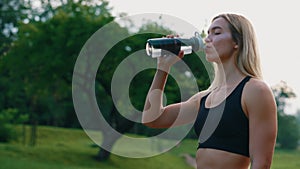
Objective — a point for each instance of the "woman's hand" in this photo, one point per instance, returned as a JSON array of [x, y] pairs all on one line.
[[164, 63]]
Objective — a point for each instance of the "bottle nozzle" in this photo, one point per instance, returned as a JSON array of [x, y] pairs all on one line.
[[199, 44]]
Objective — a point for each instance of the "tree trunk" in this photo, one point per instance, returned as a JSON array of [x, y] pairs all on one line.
[[33, 136], [108, 141], [103, 155], [23, 134]]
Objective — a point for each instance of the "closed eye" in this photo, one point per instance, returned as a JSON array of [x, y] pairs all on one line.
[[215, 30]]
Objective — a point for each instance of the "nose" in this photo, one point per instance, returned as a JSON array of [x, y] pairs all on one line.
[[207, 39]]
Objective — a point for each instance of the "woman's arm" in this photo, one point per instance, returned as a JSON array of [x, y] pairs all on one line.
[[155, 115], [261, 109]]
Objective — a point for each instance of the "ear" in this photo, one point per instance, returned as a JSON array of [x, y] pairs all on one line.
[[235, 45]]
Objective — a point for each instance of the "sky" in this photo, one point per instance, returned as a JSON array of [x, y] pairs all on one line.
[[275, 23]]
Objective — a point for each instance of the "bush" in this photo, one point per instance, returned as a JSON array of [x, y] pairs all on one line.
[[8, 118], [288, 132], [7, 133]]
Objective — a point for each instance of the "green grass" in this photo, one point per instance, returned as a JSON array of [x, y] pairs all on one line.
[[286, 159], [72, 149]]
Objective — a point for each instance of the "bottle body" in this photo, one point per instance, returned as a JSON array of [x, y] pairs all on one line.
[[166, 46], [157, 47]]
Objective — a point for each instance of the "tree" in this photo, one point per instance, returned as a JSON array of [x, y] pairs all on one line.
[[38, 68], [288, 128]]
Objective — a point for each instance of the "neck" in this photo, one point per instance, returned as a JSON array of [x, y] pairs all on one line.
[[229, 73]]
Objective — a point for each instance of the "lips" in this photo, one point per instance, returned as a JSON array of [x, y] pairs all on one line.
[[207, 47]]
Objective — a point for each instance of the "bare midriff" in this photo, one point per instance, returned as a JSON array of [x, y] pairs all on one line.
[[207, 158]]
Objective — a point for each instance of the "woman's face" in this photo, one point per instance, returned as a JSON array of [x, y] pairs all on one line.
[[219, 43]]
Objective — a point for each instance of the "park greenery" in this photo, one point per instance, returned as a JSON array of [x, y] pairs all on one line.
[[38, 50]]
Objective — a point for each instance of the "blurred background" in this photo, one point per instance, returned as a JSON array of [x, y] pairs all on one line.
[[40, 41]]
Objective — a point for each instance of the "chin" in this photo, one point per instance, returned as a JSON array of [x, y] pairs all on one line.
[[212, 58]]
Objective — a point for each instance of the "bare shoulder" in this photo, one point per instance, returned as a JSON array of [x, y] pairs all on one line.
[[257, 88], [258, 97]]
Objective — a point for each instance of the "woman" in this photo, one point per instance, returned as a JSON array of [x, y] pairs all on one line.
[[246, 132]]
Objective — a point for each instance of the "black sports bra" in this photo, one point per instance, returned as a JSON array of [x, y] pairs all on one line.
[[228, 131]]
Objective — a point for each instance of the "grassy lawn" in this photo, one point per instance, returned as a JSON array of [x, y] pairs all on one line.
[[286, 159], [72, 149]]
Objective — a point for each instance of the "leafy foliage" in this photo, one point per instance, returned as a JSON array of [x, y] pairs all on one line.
[[288, 127], [8, 118], [11, 13]]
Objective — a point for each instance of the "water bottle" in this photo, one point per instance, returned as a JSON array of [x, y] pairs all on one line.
[[157, 47]]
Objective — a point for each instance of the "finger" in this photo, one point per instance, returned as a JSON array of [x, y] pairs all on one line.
[[181, 54], [170, 36]]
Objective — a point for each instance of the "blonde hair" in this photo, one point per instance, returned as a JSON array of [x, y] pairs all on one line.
[[247, 59]]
